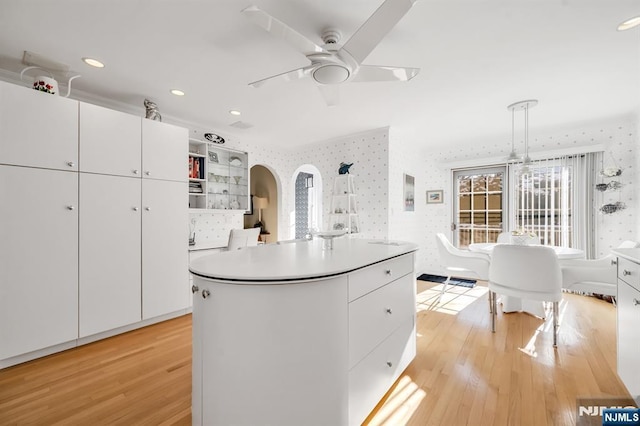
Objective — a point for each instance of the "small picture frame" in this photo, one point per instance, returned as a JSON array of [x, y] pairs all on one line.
[[435, 196], [213, 157]]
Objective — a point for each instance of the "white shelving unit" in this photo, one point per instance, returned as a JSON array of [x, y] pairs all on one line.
[[344, 206], [218, 177]]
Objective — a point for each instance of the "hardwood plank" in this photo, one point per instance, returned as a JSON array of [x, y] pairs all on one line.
[[462, 375]]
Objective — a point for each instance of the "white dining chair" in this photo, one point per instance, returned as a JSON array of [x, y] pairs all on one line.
[[596, 276], [504, 238], [529, 272], [461, 263], [240, 238]]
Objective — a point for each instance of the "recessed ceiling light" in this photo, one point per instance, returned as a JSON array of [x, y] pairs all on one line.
[[177, 92], [93, 62], [234, 112], [629, 23]]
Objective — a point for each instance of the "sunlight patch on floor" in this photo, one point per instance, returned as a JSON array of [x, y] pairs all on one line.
[[453, 301], [402, 403]]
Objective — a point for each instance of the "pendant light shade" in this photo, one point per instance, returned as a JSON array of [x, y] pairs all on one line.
[[521, 106]]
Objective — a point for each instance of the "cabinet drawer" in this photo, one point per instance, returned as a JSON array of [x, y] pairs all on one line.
[[629, 272], [375, 276], [374, 375], [375, 316], [629, 337]]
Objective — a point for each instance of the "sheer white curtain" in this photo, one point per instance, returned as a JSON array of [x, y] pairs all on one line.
[[555, 200]]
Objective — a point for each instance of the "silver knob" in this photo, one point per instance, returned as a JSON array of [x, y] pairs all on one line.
[[135, 209], [636, 302], [205, 293], [135, 172], [625, 272], [614, 262], [148, 209], [388, 272], [147, 173], [389, 311], [389, 364], [71, 207], [194, 288], [71, 164]]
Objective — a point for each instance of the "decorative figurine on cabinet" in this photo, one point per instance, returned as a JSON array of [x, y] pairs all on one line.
[[344, 168], [152, 110]]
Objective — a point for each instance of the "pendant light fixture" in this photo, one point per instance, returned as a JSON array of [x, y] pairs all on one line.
[[513, 156], [523, 106]]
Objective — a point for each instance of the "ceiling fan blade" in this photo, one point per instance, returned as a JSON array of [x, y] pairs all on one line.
[[367, 73], [281, 30], [330, 93], [285, 76], [367, 37]]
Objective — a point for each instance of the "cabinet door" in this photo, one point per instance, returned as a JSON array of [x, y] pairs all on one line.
[[110, 141], [38, 259], [110, 232], [165, 243], [164, 151], [629, 337], [37, 129]]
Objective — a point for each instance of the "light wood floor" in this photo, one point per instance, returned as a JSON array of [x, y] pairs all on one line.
[[463, 374]]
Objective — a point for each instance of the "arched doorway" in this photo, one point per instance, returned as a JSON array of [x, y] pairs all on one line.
[[264, 186], [307, 190]]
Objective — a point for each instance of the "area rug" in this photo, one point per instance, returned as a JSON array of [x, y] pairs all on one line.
[[453, 281]]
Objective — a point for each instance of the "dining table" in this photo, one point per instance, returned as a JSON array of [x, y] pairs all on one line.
[[516, 304]]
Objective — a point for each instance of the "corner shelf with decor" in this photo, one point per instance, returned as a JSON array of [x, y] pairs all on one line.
[[218, 177], [344, 206]]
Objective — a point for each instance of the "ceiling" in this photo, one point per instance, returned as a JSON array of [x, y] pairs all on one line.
[[476, 57]]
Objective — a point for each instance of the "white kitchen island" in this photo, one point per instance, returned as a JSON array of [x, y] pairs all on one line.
[[294, 334]]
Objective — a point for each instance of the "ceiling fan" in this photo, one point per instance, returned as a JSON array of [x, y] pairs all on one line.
[[333, 64]]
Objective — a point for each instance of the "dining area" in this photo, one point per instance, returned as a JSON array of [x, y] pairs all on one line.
[[525, 276]]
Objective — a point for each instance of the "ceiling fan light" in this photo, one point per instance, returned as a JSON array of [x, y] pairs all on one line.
[[331, 74], [629, 23]]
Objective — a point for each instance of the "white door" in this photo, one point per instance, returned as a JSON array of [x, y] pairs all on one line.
[[38, 259], [110, 141], [165, 244], [110, 252], [164, 151], [37, 129]]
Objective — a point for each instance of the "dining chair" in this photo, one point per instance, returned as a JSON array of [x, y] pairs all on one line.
[[504, 238], [240, 238], [461, 263], [597, 276], [525, 271]]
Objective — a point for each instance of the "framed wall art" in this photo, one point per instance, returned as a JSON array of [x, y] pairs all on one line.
[[435, 196]]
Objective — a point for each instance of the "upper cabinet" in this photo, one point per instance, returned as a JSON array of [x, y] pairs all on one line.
[[161, 144], [218, 177], [46, 136], [110, 141]]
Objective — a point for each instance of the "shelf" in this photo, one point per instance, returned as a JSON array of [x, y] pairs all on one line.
[[193, 154]]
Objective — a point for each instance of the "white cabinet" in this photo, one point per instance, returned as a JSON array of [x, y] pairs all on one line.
[[629, 325], [218, 177], [38, 259], [165, 240], [163, 151], [110, 252], [37, 129], [110, 141]]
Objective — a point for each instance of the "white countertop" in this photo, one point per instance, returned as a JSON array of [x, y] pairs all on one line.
[[632, 254], [297, 261]]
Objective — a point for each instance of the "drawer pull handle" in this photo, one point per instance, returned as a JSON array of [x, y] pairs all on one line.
[[625, 272], [614, 262], [388, 271], [389, 311], [389, 364], [135, 172], [194, 288], [71, 164], [636, 302], [205, 293]]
